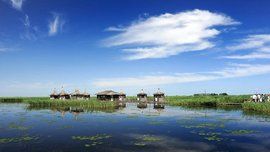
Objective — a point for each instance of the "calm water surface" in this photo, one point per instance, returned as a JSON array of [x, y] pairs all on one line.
[[132, 129]]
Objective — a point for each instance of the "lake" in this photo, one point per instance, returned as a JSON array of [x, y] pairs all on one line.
[[132, 129]]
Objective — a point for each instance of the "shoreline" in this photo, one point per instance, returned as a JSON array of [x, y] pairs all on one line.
[[228, 101]]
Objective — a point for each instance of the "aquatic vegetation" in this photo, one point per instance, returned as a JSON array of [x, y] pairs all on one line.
[[17, 127], [93, 103], [50, 122], [210, 136], [149, 138], [153, 122], [207, 101], [205, 125], [11, 100], [257, 107], [143, 140], [92, 138], [132, 116], [213, 138], [18, 139], [139, 144], [47, 103], [241, 132]]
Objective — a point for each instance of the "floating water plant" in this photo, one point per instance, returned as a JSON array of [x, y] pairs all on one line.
[[205, 125], [143, 140], [17, 139], [17, 127], [92, 138], [210, 136], [132, 116], [156, 122], [149, 138], [241, 132], [213, 138], [140, 144]]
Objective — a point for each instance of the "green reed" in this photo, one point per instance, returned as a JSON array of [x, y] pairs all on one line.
[[210, 101]]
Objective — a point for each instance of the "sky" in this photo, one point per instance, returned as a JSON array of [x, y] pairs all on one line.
[[181, 47]]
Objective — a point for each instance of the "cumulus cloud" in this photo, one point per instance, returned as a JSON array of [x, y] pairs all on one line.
[[55, 24], [257, 45], [235, 70], [169, 34], [17, 4]]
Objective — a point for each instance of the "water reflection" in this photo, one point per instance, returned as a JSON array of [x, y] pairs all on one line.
[[131, 129]]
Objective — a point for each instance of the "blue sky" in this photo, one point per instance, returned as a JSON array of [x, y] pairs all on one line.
[[182, 47]]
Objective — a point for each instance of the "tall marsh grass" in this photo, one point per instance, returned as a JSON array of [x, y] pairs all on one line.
[[257, 107], [211, 101], [48, 103]]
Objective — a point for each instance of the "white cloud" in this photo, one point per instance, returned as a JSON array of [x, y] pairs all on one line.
[[169, 34], [115, 29], [255, 55], [31, 32], [56, 24], [26, 21], [17, 4], [236, 70], [36, 85], [259, 45], [4, 49]]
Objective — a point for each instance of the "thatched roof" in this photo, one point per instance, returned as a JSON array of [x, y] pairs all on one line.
[[122, 93], [86, 94], [108, 92], [63, 93], [54, 93], [76, 92], [142, 93], [159, 92]]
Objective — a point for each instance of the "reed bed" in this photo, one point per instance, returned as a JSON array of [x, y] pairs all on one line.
[[186, 101], [257, 107], [45, 102], [92, 103], [209, 101], [11, 100]]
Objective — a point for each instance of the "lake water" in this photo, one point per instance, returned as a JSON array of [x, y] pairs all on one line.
[[132, 129]]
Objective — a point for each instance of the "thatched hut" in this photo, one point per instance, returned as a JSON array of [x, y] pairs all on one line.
[[108, 95], [77, 94], [122, 96], [54, 95], [159, 99], [142, 96], [63, 95], [86, 95]]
